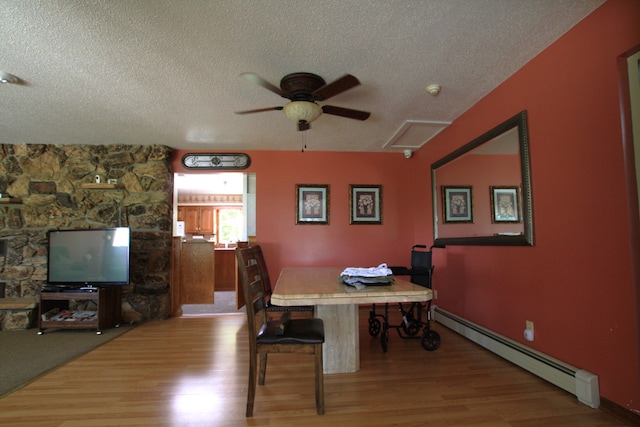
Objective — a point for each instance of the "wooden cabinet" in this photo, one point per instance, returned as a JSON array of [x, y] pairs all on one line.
[[197, 219], [206, 219], [197, 272], [56, 310], [225, 270]]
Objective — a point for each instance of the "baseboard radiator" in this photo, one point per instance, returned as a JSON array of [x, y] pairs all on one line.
[[582, 384]]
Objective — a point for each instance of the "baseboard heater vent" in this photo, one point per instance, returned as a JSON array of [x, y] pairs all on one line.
[[582, 384]]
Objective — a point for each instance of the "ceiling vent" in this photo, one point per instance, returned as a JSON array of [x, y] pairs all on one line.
[[413, 134]]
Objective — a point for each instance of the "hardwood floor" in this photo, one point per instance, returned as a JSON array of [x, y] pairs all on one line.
[[192, 371]]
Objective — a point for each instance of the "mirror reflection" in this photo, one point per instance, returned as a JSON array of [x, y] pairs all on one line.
[[482, 191]]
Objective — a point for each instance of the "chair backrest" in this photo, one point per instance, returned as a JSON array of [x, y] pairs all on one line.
[[253, 289], [420, 260], [421, 267], [264, 271]]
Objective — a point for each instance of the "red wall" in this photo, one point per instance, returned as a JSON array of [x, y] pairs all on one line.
[[339, 243], [575, 284]]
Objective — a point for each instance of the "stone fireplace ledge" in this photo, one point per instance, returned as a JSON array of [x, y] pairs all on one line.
[[17, 313]]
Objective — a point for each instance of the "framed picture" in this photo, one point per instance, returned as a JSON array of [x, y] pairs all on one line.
[[312, 204], [457, 204], [366, 204], [505, 204]]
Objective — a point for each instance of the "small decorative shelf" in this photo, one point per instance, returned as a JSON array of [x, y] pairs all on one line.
[[10, 200], [91, 186]]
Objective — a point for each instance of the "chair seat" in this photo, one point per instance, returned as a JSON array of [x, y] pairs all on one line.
[[297, 331]]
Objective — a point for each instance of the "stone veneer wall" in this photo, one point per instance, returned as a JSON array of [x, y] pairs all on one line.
[[47, 179]]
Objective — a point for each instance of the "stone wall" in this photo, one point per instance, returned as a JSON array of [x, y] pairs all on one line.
[[47, 180]]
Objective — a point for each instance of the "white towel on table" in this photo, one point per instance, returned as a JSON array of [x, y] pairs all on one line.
[[381, 270]]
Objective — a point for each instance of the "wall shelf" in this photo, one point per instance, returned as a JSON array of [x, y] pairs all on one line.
[[10, 200], [91, 186]]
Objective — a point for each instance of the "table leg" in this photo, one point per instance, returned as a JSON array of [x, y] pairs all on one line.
[[341, 349]]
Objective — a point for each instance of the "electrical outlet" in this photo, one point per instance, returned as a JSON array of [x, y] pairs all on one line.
[[435, 294], [528, 332]]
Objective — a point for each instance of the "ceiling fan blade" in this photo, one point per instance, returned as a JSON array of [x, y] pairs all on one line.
[[259, 110], [256, 79], [345, 112], [338, 86]]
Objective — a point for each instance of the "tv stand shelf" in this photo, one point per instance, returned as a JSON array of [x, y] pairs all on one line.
[[109, 309]]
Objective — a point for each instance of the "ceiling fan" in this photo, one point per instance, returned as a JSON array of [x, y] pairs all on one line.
[[304, 89]]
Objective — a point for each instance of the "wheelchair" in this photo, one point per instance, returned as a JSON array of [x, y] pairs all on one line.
[[416, 317]]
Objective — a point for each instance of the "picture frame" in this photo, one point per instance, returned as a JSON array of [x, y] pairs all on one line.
[[312, 204], [457, 204], [505, 204], [366, 204]]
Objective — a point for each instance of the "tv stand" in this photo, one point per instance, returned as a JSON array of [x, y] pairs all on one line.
[[55, 313]]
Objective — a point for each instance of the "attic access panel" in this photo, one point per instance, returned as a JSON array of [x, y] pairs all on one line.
[[216, 161], [413, 134]]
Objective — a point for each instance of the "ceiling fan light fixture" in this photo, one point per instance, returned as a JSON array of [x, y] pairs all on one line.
[[302, 111]]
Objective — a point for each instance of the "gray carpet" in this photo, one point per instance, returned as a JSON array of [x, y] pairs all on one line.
[[223, 302], [25, 355]]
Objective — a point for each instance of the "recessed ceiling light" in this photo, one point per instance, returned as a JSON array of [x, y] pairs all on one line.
[[6, 78]]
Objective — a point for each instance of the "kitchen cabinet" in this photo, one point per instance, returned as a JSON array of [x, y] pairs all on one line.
[[197, 219]]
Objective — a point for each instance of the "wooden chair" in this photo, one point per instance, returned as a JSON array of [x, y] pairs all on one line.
[[306, 310], [284, 335]]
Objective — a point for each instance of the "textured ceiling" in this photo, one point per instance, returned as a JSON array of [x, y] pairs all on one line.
[[167, 72]]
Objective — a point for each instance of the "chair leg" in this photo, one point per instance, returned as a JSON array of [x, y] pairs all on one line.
[[251, 392], [263, 368], [319, 380]]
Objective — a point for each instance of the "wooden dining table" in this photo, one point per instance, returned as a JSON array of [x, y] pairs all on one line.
[[337, 305]]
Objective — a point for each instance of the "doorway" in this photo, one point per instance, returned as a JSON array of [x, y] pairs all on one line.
[[216, 210]]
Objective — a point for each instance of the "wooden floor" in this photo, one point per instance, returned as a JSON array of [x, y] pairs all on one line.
[[192, 371]]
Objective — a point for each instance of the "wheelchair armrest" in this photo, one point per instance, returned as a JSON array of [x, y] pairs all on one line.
[[404, 271], [400, 271]]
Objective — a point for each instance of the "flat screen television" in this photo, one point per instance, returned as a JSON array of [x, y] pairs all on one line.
[[89, 258]]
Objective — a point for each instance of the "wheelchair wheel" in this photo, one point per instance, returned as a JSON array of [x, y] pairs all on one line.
[[374, 326], [430, 340], [384, 338], [411, 327]]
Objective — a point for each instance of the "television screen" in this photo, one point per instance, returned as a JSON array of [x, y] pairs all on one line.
[[95, 257]]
